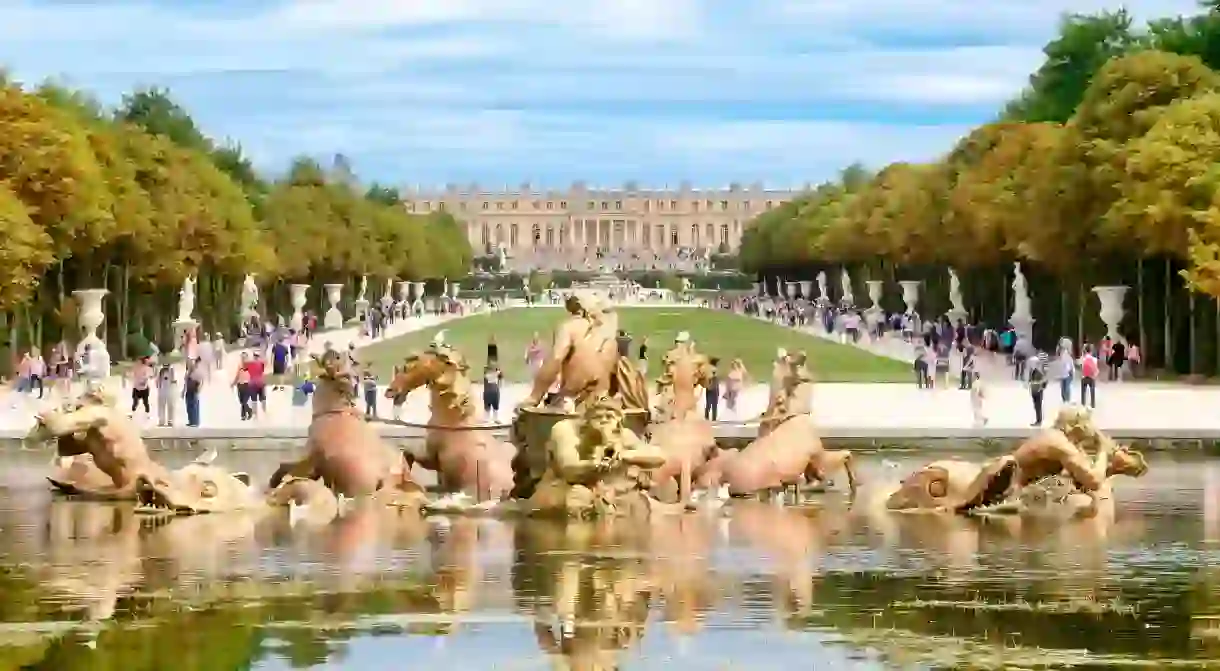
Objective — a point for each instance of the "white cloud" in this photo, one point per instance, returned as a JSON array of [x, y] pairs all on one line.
[[449, 90]]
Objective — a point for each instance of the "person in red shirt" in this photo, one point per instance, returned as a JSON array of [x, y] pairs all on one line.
[[1089, 369], [257, 370]]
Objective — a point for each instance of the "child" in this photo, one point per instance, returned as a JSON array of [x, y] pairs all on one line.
[[978, 397], [304, 391], [370, 394]]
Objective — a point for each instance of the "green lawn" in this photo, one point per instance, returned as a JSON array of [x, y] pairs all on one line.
[[716, 333]]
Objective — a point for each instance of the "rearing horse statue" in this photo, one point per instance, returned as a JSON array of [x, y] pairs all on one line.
[[686, 438], [343, 449], [457, 445]]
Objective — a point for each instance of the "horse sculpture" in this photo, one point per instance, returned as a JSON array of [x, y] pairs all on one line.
[[686, 438], [463, 456], [343, 449]]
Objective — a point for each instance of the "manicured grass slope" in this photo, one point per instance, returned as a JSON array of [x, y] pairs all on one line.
[[716, 333]]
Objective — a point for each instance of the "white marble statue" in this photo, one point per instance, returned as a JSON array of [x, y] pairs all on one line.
[[955, 292], [249, 297], [364, 288], [1020, 292], [823, 292], [186, 300], [845, 280]]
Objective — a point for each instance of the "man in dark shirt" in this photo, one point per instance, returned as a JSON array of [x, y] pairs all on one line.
[[712, 393], [624, 344]]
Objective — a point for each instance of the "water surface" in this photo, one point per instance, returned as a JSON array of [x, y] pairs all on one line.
[[821, 585]]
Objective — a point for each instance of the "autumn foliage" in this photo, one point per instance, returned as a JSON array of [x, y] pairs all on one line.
[[135, 199], [1105, 170]]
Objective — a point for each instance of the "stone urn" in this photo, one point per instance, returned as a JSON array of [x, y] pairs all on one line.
[[806, 289], [790, 289], [333, 318], [404, 291], [1111, 300], [297, 297], [910, 294], [873, 314], [90, 317], [419, 290]]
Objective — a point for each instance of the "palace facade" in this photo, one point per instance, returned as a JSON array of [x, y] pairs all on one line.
[[581, 219]]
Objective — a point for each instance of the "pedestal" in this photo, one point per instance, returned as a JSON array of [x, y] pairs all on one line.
[[1023, 325], [297, 297], [362, 309], [90, 317], [956, 316], [333, 318], [182, 327]]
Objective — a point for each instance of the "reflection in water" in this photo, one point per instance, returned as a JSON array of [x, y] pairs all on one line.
[[827, 585]]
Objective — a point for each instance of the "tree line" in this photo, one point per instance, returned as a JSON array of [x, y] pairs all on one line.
[[136, 198], [1104, 170]]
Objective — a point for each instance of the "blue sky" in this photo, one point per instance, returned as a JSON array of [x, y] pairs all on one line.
[[551, 91]]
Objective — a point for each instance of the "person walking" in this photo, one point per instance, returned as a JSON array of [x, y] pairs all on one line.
[[1089, 370], [370, 394], [711, 404], [167, 394], [643, 355], [241, 382], [196, 373], [1063, 369], [978, 399], [493, 380], [1037, 385], [141, 376], [734, 383]]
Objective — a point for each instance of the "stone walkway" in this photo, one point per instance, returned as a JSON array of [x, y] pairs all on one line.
[[1132, 405]]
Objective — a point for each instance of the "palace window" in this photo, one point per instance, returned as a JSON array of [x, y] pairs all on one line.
[[724, 206], [499, 206], [563, 204], [694, 235], [537, 234], [709, 206], [592, 205], [673, 237], [427, 206], [648, 206], [486, 235], [485, 205], [514, 205], [724, 234], [512, 235], [711, 234], [499, 234], [673, 204], [618, 205], [605, 206], [550, 204], [695, 205], [746, 206]]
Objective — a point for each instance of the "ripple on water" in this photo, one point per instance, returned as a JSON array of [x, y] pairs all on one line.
[[85, 584]]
